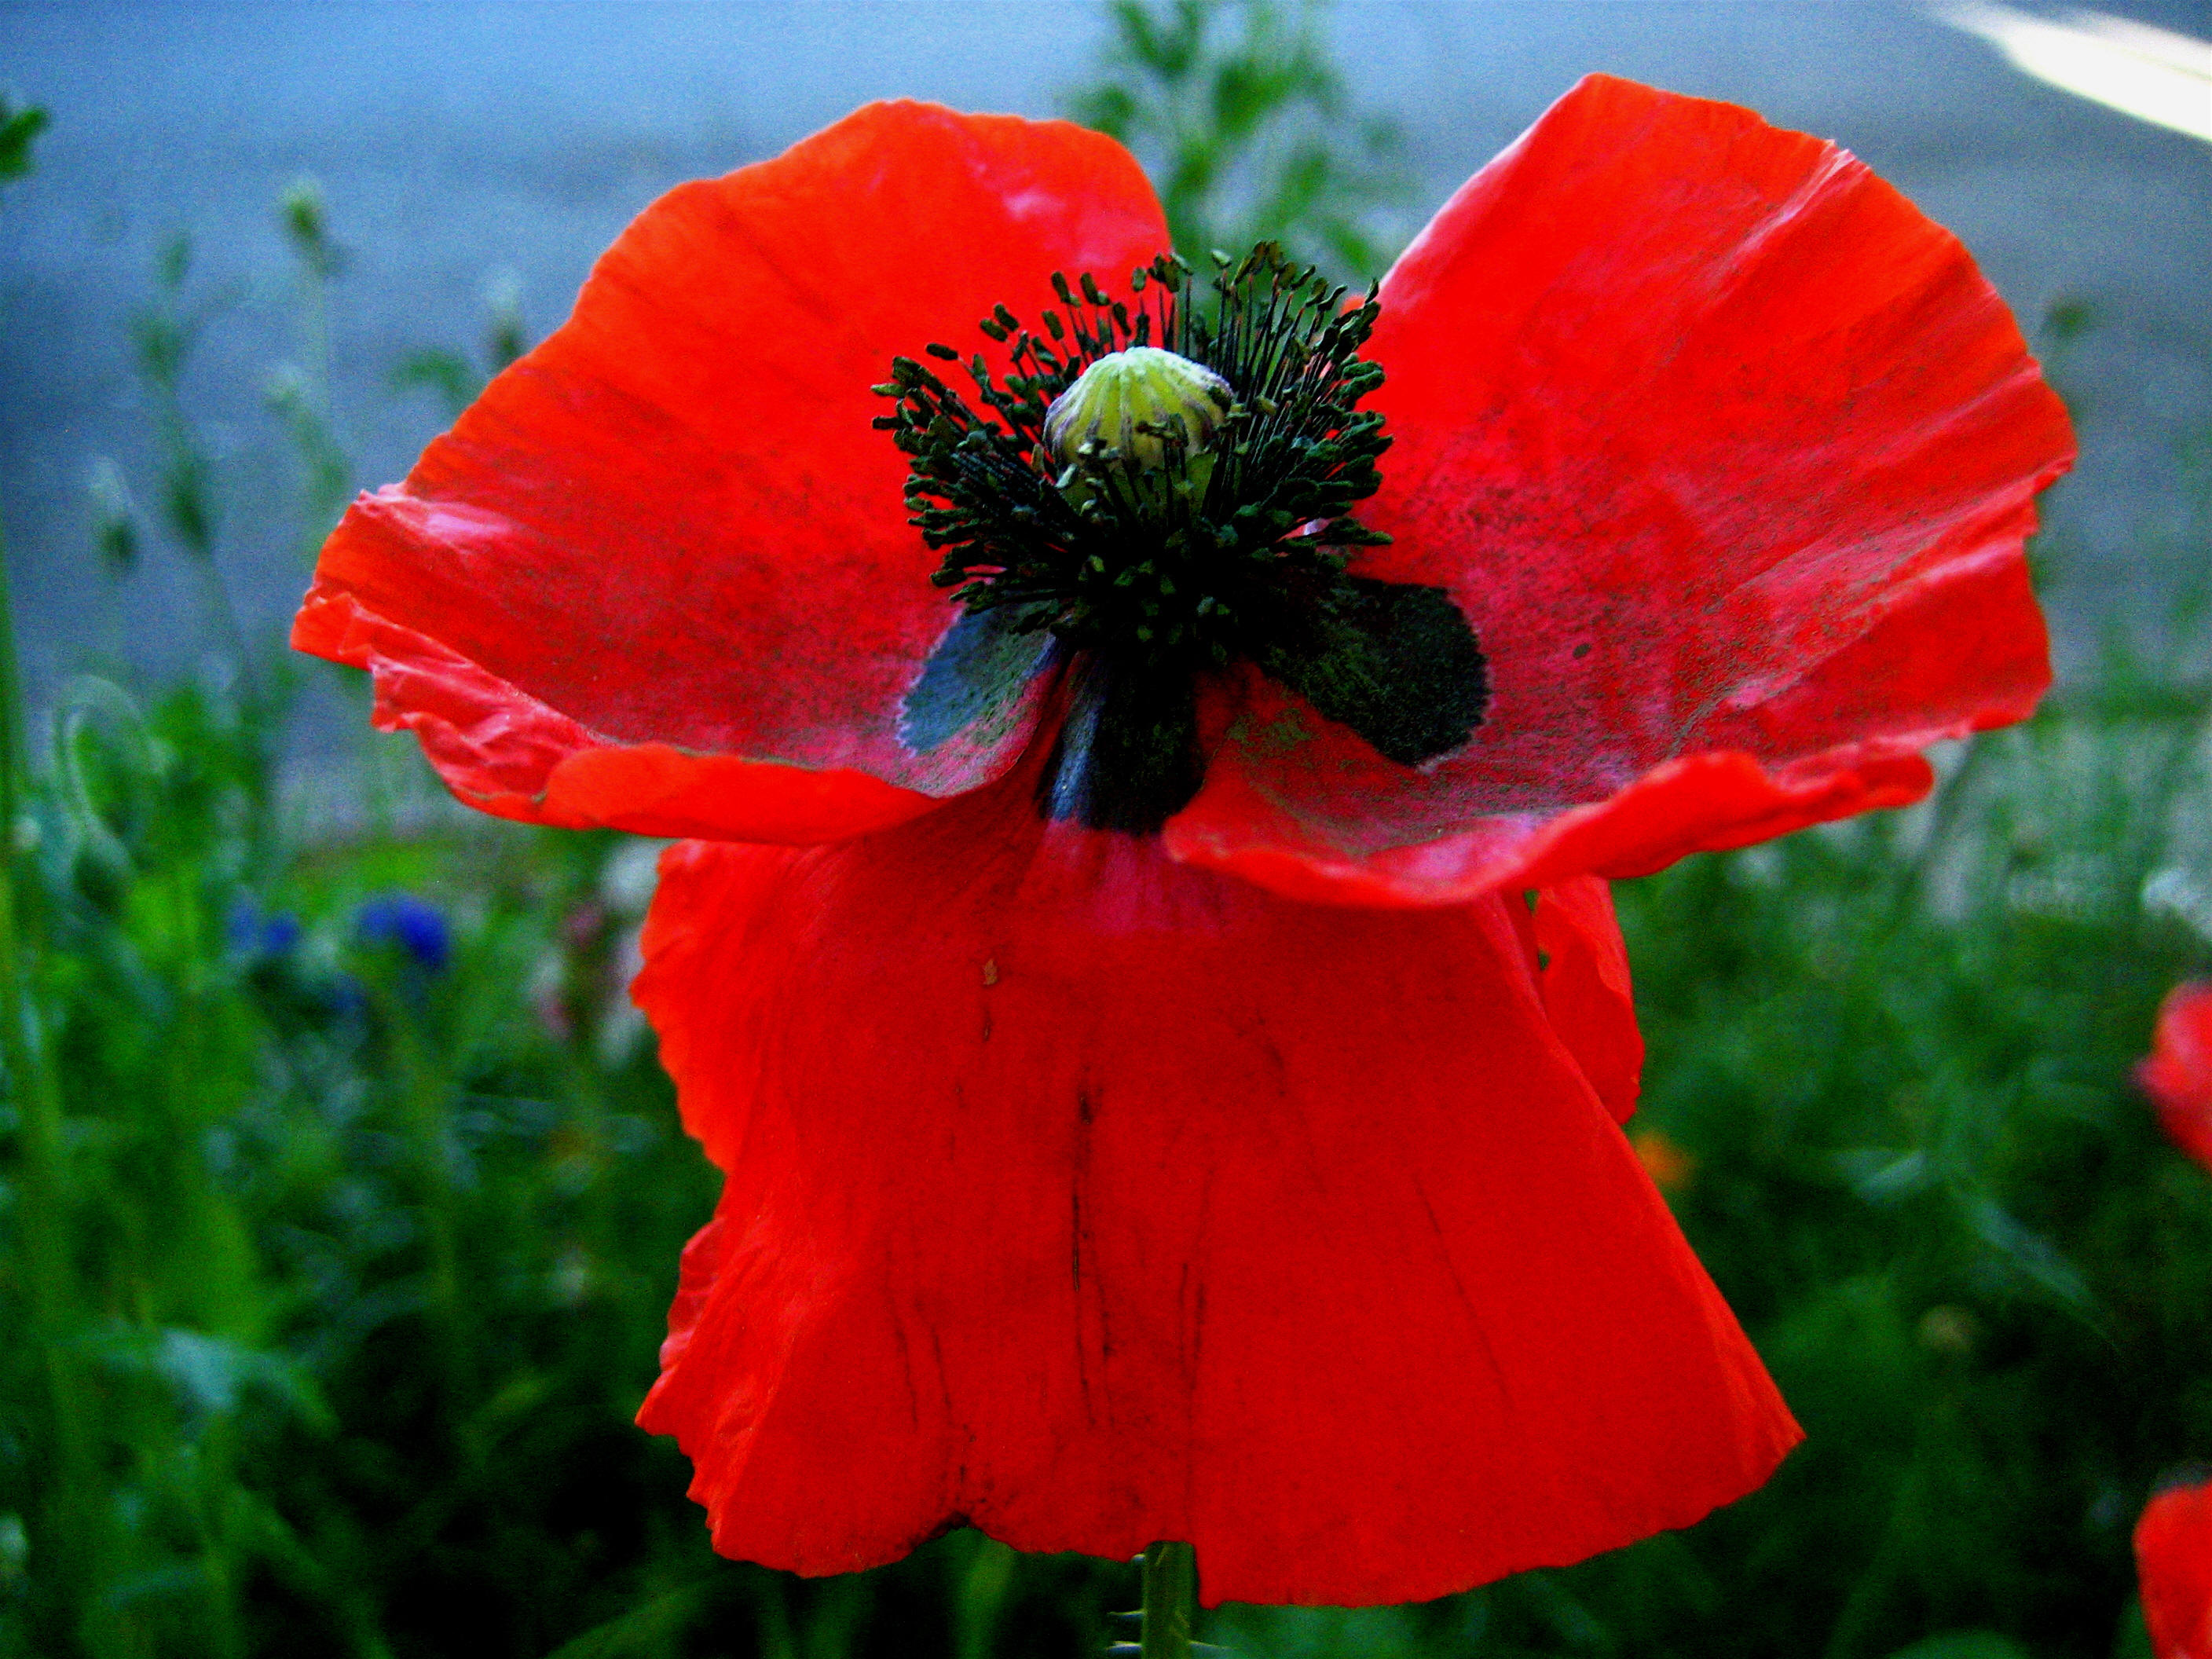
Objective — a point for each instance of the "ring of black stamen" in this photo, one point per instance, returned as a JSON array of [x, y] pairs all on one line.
[[1148, 574]]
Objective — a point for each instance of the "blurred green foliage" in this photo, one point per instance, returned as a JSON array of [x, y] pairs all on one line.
[[20, 123], [1240, 117], [340, 1199]]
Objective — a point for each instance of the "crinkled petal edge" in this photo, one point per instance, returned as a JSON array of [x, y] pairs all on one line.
[[1708, 802], [502, 752]]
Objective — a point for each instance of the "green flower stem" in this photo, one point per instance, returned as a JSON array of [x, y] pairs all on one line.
[[1171, 1600], [425, 1101], [75, 1534]]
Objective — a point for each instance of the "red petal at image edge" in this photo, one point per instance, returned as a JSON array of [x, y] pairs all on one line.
[[1091, 1200], [2174, 1560], [672, 524], [2178, 1073], [1728, 454]]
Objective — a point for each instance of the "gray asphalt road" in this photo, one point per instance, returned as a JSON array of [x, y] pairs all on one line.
[[459, 144]]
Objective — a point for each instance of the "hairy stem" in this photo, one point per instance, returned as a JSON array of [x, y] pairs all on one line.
[[1171, 1600]]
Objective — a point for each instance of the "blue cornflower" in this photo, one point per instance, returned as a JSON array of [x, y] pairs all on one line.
[[409, 924], [252, 931]]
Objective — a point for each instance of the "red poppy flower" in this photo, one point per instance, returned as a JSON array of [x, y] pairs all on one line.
[[2174, 1560], [2177, 1074], [1202, 1123]]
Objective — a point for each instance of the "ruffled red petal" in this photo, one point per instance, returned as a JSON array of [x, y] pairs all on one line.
[[659, 576], [2173, 1559], [2178, 1075], [1092, 1200], [1728, 455]]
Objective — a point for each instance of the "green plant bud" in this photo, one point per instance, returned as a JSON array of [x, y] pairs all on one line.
[[1130, 401]]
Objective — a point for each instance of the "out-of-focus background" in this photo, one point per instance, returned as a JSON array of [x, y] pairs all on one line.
[[341, 1194]]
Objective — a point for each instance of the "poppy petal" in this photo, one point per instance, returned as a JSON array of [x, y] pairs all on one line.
[[2177, 1074], [2173, 1559], [1090, 1199], [1583, 963], [1728, 453], [659, 576]]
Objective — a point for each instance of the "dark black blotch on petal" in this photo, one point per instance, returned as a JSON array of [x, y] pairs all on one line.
[[976, 674], [1126, 758], [1394, 661]]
